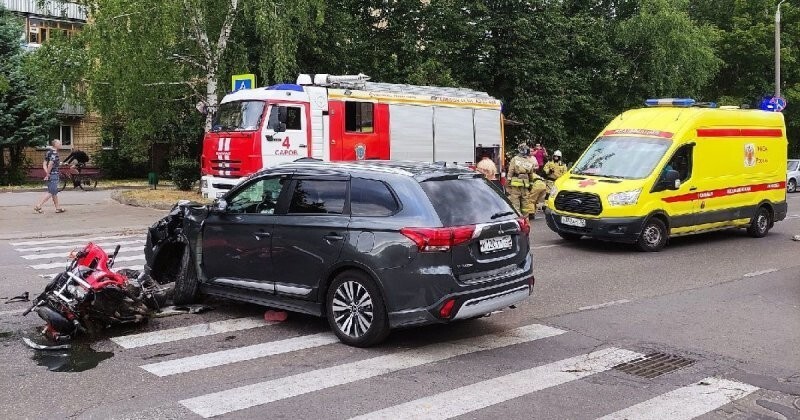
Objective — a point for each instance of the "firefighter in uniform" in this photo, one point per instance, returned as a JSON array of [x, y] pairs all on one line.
[[525, 186], [554, 169]]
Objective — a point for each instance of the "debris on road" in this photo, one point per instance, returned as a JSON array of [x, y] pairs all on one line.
[[36, 346], [275, 316], [181, 310], [25, 297]]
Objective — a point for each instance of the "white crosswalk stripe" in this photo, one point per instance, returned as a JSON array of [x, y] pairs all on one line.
[[74, 240], [483, 394], [62, 254], [70, 247], [687, 402], [265, 392], [191, 331], [55, 251], [240, 354]]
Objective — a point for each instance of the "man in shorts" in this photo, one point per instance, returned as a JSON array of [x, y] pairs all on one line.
[[50, 166]]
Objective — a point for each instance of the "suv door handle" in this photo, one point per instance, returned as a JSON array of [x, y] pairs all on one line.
[[333, 237], [693, 189], [260, 235]]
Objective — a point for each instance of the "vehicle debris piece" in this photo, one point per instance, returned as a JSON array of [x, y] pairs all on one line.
[[36, 346], [25, 297], [181, 310], [275, 316]]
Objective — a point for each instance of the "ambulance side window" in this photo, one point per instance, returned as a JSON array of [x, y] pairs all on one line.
[[682, 162], [358, 117]]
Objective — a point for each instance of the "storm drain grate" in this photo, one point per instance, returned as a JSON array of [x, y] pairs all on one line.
[[654, 364]]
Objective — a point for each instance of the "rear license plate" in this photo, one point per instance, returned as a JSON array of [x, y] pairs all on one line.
[[573, 221], [495, 244]]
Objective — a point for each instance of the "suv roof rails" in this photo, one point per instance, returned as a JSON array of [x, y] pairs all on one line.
[[307, 159]]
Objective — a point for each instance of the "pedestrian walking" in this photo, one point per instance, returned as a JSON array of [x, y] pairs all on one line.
[[50, 166], [525, 186]]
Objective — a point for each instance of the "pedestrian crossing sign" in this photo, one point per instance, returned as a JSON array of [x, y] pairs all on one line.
[[243, 81]]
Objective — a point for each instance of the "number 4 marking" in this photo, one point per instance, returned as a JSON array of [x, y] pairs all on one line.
[[286, 143]]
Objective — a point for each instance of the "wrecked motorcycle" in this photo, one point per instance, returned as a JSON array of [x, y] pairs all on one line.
[[88, 296]]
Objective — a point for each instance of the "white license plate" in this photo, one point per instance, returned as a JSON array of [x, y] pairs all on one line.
[[495, 244], [573, 221]]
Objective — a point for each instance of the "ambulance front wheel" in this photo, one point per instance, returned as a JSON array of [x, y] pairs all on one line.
[[654, 235], [761, 223]]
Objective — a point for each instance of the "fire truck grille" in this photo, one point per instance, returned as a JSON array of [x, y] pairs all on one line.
[[226, 165], [578, 202]]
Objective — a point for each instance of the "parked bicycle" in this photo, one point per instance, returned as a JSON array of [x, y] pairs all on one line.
[[84, 181]]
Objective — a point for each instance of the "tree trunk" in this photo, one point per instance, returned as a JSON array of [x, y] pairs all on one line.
[[211, 99]]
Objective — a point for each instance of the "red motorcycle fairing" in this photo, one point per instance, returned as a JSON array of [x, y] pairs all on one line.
[[102, 276]]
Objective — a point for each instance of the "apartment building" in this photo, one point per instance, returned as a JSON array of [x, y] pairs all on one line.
[[42, 19]]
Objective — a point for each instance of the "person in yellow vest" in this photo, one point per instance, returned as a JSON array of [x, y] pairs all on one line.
[[554, 169], [525, 187]]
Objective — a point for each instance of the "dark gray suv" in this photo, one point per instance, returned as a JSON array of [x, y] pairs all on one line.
[[369, 245]]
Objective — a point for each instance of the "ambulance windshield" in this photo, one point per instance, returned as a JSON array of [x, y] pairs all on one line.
[[622, 157], [239, 116]]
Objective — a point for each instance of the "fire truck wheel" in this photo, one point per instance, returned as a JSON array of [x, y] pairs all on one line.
[[186, 283]]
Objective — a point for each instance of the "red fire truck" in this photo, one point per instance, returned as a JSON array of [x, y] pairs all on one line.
[[342, 118]]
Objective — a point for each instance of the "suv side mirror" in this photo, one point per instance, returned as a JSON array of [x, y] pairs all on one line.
[[671, 180], [219, 205]]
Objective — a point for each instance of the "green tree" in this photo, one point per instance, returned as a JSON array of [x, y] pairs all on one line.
[[669, 54], [24, 120]]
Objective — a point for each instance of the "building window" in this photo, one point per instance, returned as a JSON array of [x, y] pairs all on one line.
[[40, 30], [358, 117], [63, 133]]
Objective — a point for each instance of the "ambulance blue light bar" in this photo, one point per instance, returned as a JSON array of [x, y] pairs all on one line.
[[676, 102]]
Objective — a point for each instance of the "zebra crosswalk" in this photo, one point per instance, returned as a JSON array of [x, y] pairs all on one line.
[[686, 401], [47, 256], [201, 374]]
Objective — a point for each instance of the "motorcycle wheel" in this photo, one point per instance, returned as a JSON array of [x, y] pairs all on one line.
[[55, 320]]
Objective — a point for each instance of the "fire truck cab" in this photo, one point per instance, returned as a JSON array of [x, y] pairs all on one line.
[[344, 118]]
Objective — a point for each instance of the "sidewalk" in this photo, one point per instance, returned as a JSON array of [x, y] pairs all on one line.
[[86, 213]]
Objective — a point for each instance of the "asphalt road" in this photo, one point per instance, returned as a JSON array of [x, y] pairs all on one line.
[[728, 303]]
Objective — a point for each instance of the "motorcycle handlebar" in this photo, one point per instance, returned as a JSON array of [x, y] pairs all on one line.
[[114, 256]]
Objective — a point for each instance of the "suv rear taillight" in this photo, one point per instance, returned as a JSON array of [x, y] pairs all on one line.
[[438, 239], [524, 225]]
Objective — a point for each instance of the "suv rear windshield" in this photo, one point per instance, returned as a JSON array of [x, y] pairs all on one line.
[[469, 201]]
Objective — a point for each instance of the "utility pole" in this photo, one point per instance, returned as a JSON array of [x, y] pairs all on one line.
[[778, 49]]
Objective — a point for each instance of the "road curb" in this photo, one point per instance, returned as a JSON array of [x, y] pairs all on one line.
[[119, 197], [44, 188], [129, 230]]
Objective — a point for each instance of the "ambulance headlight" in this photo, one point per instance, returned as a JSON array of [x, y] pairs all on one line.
[[627, 198], [553, 190]]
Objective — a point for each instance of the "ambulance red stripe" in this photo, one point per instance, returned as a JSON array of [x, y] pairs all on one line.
[[739, 132], [724, 192]]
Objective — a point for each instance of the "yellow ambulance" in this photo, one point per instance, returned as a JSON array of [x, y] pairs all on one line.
[[675, 168]]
